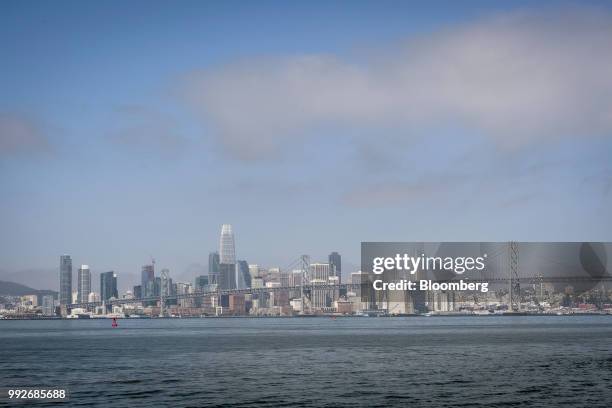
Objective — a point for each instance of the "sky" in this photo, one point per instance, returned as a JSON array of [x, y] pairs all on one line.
[[132, 130]]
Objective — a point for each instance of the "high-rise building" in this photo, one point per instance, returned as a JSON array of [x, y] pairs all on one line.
[[108, 285], [83, 283], [227, 276], [65, 278], [184, 289], [137, 292], [201, 282], [147, 274], [335, 260], [165, 283], [243, 275], [227, 246], [295, 278], [254, 271], [227, 258], [320, 272], [213, 268], [48, 306], [321, 298]]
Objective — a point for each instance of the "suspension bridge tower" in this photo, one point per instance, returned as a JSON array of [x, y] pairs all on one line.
[[515, 282], [305, 265]]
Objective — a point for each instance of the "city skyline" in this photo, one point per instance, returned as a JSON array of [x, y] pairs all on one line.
[[238, 272]]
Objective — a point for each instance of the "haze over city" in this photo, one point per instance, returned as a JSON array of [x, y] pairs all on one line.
[[141, 136]]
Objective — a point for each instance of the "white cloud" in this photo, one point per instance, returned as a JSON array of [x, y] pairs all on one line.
[[515, 78]]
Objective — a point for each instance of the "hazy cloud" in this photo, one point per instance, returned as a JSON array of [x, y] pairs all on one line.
[[19, 134], [144, 129], [514, 78]]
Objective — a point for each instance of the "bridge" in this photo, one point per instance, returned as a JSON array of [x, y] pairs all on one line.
[[220, 292]]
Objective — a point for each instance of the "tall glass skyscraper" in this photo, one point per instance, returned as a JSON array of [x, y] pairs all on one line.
[[227, 247], [83, 283], [227, 258], [108, 285], [65, 278], [243, 276], [147, 280]]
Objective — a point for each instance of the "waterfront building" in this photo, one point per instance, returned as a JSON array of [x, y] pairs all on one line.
[[108, 285], [65, 278], [83, 283], [93, 297], [321, 298], [48, 306], [236, 304]]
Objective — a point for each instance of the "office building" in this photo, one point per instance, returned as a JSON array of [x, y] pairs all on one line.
[[320, 271], [213, 268], [243, 275], [335, 260], [48, 306], [227, 258], [227, 246], [83, 284], [147, 280], [108, 286], [201, 282], [65, 290]]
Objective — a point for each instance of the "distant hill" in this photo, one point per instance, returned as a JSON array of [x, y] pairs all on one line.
[[16, 289]]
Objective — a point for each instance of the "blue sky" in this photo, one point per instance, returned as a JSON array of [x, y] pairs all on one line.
[[131, 129]]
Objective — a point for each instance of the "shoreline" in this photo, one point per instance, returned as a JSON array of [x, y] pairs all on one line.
[[519, 314]]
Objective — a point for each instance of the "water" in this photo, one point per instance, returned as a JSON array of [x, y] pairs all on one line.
[[456, 361]]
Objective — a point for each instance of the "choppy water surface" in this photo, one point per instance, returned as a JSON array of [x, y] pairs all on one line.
[[456, 361]]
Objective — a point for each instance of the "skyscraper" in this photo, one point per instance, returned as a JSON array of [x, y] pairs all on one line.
[[65, 279], [213, 268], [147, 275], [108, 285], [227, 258], [48, 308], [336, 261], [227, 247], [227, 276], [243, 276], [83, 283]]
